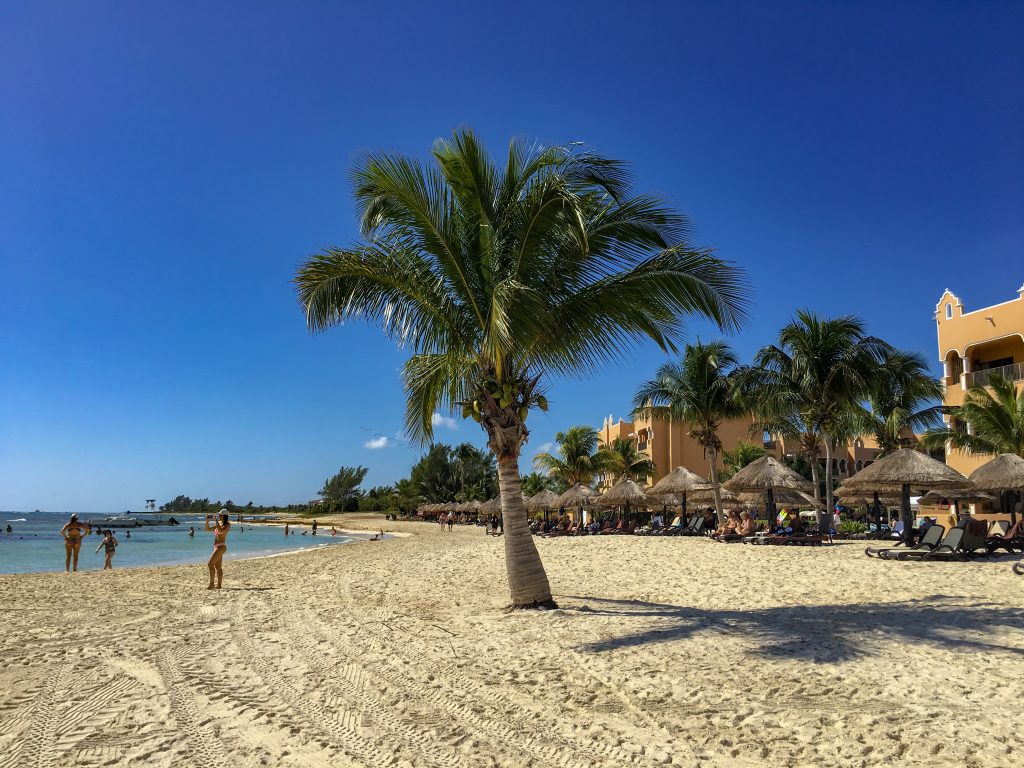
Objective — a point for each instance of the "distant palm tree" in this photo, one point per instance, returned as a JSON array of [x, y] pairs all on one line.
[[629, 461], [744, 453], [903, 396], [580, 457], [816, 376], [535, 482], [995, 415], [494, 276], [700, 391]]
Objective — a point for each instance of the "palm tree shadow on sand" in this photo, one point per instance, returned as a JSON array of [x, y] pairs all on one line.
[[818, 633]]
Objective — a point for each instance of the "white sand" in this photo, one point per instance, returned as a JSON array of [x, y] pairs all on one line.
[[399, 653]]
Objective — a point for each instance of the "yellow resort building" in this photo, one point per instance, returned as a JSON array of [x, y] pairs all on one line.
[[973, 347], [668, 444]]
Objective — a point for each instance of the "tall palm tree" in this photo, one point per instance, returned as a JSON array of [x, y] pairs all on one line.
[[817, 373], [580, 457], [629, 461], [995, 416], [903, 396], [701, 391], [496, 276]]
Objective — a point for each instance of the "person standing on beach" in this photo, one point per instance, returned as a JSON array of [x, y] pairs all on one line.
[[286, 529], [109, 544], [314, 527], [451, 521], [73, 534], [220, 546]]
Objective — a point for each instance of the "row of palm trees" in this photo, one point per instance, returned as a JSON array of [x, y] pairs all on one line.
[[824, 381]]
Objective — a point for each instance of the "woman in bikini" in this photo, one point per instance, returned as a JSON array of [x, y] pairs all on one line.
[[220, 546], [109, 544], [73, 533]]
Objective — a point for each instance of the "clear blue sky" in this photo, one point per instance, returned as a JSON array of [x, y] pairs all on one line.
[[164, 167]]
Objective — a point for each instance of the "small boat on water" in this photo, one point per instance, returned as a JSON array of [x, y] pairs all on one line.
[[127, 521]]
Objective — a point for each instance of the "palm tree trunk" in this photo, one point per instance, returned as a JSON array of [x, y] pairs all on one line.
[[713, 461], [823, 514], [816, 479], [526, 578]]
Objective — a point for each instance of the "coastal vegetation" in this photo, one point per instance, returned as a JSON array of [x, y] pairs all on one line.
[[579, 457], [817, 374], [702, 390], [341, 491], [495, 277], [990, 421]]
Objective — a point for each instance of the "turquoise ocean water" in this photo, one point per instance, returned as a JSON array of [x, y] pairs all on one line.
[[35, 544]]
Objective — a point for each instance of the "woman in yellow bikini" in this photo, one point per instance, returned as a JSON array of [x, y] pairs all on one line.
[[220, 546], [73, 533]]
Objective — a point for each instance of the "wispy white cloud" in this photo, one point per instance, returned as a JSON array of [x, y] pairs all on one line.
[[545, 448], [443, 421], [383, 441]]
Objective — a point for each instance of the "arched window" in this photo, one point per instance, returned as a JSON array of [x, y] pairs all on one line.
[[949, 311]]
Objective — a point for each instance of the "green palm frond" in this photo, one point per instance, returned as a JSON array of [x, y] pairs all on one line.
[[548, 263], [995, 415]]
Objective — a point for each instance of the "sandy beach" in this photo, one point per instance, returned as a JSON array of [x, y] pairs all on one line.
[[398, 653]]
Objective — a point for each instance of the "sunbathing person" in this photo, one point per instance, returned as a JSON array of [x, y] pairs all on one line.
[[728, 527], [747, 525]]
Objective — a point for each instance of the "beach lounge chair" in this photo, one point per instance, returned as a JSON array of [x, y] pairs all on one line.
[[951, 545], [696, 528], [931, 539], [1010, 539]]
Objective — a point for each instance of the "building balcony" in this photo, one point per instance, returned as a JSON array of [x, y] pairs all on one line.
[[982, 378]]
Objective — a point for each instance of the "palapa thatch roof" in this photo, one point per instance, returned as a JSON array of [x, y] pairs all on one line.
[[857, 498], [626, 491], [766, 472], [679, 480], [904, 467], [784, 497], [953, 494], [705, 497], [1004, 473], [577, 496], [543, 500], [491, 506]]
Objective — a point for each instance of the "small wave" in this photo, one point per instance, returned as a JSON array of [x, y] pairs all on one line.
[[17, 520]]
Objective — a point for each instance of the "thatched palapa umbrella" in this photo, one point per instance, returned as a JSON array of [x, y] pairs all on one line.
[[577, 496], [1003, 475], [766, 475], [491, 506], [902, 471], [703, 498], [542, 501], [784, 497], [623, 493], [677, 484]]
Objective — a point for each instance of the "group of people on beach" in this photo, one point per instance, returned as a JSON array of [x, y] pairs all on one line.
[[75, 531]]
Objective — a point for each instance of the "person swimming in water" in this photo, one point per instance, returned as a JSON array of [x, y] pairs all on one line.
[[73, 534], [109, 544], [191, 531], [220, 546]]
